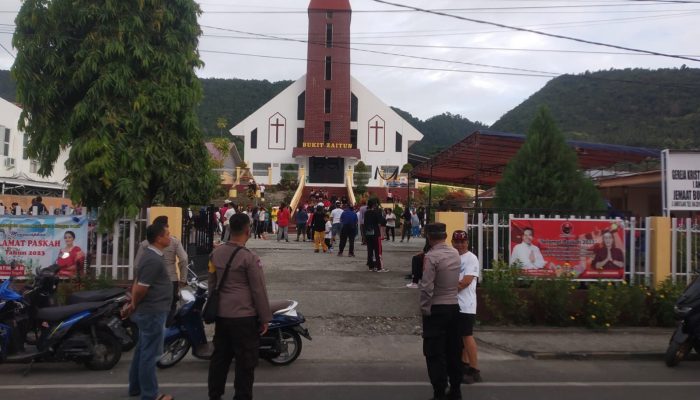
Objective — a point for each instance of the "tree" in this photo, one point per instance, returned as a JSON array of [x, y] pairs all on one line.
[[114, 81], [361, 177], [221, 123], [544, 174]]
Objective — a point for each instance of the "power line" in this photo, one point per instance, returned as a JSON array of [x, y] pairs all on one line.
[[8, 51], [478, 21], [384, 52]]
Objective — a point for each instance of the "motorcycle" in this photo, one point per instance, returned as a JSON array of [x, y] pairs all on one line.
[[687, 334], [88, 333], [281, 345]]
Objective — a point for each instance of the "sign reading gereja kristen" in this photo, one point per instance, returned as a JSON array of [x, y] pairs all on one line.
[[37, 241], [586, 249]]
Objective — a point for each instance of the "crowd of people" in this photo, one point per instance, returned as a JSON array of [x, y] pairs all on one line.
[[37, 207]]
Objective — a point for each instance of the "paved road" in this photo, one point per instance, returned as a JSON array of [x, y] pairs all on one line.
[[307, 379]]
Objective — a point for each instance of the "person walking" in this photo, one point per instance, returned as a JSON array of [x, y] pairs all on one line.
[[406, 224], [361, 220], [372, 226], [151, 296], [175, 259], [442, 342], [390, 224], [283, 223], [319, 229], [227, 216], [335, 220], [328, 234], [415, 224], [243, 315], [260, 231], [468, 277], [301, 218], [348, 230]]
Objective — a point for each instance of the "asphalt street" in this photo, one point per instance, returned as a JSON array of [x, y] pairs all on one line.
[[519, 378]]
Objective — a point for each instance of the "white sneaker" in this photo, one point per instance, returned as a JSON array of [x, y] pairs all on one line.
[[412, 285]]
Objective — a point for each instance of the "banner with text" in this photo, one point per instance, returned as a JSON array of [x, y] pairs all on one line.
[[681, 181], [37, 241], [585, 248]]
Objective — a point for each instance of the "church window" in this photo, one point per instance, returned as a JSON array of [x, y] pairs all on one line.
[[329, 14], [329, 35], [290, 171], [25, 156], [389, 170], [261, 169], [6, 141], [329, 69], [301, 106], [327, 106], [254, 139], [353, 138], [327, 132], [354, 103], [300, 137], [399, 142]]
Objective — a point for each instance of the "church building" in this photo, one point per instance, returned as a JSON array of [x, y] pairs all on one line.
[[326, 121]]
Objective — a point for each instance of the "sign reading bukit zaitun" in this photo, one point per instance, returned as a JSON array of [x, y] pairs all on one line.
[[681, 181], [322, 145]]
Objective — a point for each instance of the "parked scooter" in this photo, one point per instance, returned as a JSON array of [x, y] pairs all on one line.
[[281, 345], [687, 334], [87, 333]]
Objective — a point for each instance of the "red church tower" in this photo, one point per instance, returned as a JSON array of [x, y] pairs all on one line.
[[327, 103]]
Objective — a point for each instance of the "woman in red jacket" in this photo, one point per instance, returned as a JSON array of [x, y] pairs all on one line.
[[283, 223], [70, 258]]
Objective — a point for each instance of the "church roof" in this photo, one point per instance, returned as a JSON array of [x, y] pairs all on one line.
[[335, 5]]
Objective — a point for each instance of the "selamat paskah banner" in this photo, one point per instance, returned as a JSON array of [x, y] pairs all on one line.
[[589, 249], [36, 241]]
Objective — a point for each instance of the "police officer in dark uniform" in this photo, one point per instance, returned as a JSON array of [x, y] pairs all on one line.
[[442, 344]]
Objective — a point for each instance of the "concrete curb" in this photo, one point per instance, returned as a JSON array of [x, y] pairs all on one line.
[[583, 356]]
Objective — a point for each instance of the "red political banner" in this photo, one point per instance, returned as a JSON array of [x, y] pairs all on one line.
[[589, 249]]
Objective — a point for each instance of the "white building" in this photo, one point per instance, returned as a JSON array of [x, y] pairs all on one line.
[[18, 173], [326, 121]]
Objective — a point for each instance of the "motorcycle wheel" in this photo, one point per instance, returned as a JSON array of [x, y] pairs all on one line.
[[291, 349], [676, 352], [173, 353], [106, 352], [133, 331]]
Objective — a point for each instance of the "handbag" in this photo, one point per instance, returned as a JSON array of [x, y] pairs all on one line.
[[211, 307]]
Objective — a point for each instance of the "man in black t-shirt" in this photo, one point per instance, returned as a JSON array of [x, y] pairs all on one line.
[[372, 228]]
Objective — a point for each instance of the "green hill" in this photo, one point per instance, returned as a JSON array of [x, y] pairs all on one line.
[[638, 107]]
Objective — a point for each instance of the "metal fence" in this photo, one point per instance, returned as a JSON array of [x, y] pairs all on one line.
[[490, 241], [685, 249]]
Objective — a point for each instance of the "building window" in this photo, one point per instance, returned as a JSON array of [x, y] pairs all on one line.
[[328, 101], [300, 137], [290, 171], [25, 141], [399, 142], [254, 139], [329, 35], [6, 141], [329, 69], [389, 170], [327, 132], [301, 106], [354, 104], [329, 14], [353, 138], [34, 167], [261, 169]]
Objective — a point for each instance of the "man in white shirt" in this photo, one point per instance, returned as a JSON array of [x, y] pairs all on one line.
[[468, 278], [335, 220], [227, 216], [526, 253]]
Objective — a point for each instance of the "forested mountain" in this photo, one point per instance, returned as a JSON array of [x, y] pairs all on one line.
[[440, 131], [638, 107]]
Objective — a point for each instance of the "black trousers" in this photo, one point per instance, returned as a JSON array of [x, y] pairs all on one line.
[[393, 233], [347, 233], [442, 348], [234, 338], [373, 258], [406, 231], [417, 267]]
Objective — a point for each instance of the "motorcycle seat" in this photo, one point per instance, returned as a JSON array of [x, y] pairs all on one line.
[[88, 296], [279, 305], [62, 312]]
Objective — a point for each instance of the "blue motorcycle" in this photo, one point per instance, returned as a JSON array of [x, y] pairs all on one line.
[[88, 333], [281, 345]]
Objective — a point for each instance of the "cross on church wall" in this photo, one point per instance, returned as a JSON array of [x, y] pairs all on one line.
[[277, 126], [376, 128]]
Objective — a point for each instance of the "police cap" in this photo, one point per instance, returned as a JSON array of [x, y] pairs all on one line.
[[436, 228]]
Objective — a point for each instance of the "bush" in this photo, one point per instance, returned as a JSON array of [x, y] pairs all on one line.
[[501, 300], [601, 310], [633, 303], [553, 298], [663, 300]]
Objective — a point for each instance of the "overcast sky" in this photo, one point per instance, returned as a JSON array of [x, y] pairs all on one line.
[[431, 87]]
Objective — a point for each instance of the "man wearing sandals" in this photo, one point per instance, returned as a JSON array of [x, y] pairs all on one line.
[[151, 296]]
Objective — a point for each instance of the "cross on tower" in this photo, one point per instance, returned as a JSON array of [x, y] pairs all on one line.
[[376, 128], [277, 126]]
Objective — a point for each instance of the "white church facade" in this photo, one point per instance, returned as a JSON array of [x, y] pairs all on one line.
[[326, 121]]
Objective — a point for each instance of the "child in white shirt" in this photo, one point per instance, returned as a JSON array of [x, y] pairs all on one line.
[[329, 234]]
